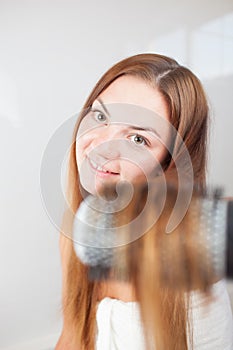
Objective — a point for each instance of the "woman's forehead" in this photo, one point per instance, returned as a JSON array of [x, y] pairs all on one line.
[[134, 90]]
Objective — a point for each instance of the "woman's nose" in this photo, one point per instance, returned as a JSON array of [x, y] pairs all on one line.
[[107, 141]]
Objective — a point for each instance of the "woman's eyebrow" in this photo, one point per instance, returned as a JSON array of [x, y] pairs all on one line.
[[145, 129], [103, 106]]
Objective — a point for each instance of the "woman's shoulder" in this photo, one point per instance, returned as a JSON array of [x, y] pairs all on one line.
[[119, 322], [212, 318], [217, 294]]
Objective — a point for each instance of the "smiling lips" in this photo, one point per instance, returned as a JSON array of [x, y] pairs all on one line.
[[101, 171]]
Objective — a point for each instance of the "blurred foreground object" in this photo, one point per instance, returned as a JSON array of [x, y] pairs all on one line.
[[119, 237]]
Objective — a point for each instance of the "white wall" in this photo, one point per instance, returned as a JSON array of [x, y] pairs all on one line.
[[51, 54]]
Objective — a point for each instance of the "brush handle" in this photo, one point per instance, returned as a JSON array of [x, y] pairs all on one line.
[[229, 242]]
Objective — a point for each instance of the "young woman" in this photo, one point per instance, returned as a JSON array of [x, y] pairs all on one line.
[[106, 149]]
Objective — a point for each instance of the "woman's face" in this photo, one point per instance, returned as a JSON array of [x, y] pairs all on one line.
[[124, 136]]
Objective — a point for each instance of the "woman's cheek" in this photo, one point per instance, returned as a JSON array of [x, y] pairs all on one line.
[[82, 145], [139, 171], [131, 171]]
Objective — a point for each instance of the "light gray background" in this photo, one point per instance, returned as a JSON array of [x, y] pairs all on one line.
[[51, 55]]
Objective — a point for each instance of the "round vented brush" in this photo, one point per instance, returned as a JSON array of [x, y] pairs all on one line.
[[98, 239]]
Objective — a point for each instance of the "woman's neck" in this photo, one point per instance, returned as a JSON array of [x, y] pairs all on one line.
[[117, 290]]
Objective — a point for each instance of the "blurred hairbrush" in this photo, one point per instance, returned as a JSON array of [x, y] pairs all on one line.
[[198, 252]]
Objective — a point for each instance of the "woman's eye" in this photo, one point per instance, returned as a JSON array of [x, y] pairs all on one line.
[[100, 117], [138, 139]]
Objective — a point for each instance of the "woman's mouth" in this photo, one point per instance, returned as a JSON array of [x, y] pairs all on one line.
[[101, 171]]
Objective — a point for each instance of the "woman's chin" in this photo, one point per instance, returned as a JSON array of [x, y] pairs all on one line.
[[96, 186]]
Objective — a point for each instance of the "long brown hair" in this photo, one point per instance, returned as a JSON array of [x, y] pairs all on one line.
[[164, 268], [188, 111]]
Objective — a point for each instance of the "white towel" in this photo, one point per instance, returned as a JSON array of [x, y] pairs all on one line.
[[119, 325]]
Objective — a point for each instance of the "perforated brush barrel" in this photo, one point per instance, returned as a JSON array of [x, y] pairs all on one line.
[[96, 238]]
